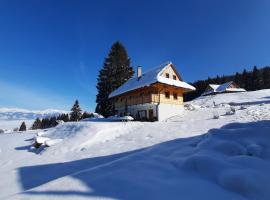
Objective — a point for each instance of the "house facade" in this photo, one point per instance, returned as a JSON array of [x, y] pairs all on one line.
[[154, 95], [224, 88]]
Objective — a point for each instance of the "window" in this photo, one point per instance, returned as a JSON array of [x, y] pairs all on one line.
[[175, 96], [167, 95], [167, 75], [174, 77]]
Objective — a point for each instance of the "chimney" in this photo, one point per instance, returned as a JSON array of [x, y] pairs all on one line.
[[139, 72]]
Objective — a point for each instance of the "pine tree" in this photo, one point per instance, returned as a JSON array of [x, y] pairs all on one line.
[[64, 117], [86, 115], [255, 81], [237, 79], [266, 78], [116, 70], [22, 127], [36, 124], [76, 113]]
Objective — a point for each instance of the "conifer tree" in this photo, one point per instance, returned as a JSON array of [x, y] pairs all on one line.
[[86, 115], [266, 77], [36, 124], [22, 127], [76, 112], [64, 117], [256, 79], [116, 70], [237, 79]]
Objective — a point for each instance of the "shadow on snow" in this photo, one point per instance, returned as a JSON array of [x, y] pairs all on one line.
[[89, 170]]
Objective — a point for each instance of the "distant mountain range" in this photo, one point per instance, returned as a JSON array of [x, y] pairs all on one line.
[[23, 114]]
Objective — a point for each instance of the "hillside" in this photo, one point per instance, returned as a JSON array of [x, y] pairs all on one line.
[[192, 156], [12, 117]]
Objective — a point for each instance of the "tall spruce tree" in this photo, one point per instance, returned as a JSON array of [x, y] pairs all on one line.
[[266, 77], [255, 81], [36, 124], [76, 112], [116, 70], [22, 127]]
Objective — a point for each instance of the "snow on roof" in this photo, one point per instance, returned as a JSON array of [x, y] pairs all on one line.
[[226, 87], [148, 78], [214, 86], [223, 88]]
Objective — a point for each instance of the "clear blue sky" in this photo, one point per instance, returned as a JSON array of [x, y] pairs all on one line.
[[51, 51]]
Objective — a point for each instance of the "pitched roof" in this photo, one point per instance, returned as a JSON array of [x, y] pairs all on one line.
[[148, 78], [214, 86], [223, 88], [226, 87]]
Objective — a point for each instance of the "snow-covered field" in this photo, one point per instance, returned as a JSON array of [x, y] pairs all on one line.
[[192, 156]]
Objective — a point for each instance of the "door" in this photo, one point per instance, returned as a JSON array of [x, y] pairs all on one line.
[[151, 115]]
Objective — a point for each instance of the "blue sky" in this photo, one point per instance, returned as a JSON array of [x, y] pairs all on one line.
[[51, 51]]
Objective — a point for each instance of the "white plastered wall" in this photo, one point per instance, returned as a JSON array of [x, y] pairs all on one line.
[[166, 111]]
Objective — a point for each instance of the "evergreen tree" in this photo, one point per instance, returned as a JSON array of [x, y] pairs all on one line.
[[266, 77], [245, 79], [64, 117], [76, 113], [255, 83], [22, 127], [86, 115], [237, 79], [36, 124], [116, 70]]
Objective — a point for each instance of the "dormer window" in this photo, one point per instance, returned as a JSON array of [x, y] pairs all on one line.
[[174, 77], [167, 75]]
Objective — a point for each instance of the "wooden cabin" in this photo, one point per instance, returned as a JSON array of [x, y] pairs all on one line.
[[224, 88], [154, 95]]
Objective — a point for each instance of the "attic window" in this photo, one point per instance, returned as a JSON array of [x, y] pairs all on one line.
[[167, 95], [174, 77], [175, 96], [167, 75]]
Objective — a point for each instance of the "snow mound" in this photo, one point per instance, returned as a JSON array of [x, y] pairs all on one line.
[[77, 136], [228, 163]]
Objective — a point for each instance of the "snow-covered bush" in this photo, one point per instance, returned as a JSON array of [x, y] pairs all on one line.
[[242, 108], [230, 111], [59, 122], [215, 115], [93, 116], [191, 107]]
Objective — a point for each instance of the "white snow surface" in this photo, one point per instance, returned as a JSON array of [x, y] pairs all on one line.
[[148, 78], [191, 156]]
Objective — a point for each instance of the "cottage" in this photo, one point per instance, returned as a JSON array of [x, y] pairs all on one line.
[[154, 95], [224, 88]]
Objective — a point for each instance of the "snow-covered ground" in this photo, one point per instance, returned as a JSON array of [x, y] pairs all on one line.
[[192, 156]]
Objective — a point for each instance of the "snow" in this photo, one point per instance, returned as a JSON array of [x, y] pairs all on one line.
[[191, 156], [223, 88], [11, 118], [148, 78]]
